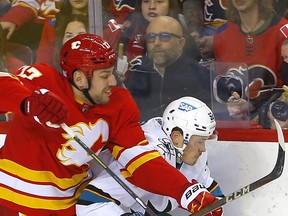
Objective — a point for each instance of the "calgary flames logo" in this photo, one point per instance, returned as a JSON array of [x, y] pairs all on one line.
[[72, 153]]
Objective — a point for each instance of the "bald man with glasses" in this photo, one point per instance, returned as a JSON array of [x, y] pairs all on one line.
[[166, 72]]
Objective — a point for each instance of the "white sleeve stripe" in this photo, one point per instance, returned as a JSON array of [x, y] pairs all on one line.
[[191, 193]]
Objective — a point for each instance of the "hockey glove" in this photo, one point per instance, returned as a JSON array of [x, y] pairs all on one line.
[[45, 107], [197, 197]]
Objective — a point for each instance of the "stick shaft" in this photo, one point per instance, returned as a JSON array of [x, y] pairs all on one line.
[[112, 174]]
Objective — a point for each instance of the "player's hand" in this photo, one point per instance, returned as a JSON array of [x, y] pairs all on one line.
[[45, 107], [9, 27], [196, 197]]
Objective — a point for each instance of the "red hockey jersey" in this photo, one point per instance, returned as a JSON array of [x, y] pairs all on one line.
[[262, 56], [43, 171], [23, 11]]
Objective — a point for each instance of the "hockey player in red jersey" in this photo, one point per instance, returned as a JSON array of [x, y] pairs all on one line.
[[42, 169]]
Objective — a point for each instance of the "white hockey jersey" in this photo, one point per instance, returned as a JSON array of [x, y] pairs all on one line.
[[160, 141]]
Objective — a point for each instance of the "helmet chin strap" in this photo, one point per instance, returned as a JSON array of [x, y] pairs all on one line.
[[87, 95], [86, 92], [180, 152]]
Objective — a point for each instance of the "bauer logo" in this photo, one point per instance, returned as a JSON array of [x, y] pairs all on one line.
[[186, 107]]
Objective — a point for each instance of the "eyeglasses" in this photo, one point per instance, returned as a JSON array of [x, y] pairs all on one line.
[[163, 37]]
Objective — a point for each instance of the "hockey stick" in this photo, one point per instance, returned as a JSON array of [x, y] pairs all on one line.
[[274, 174], [112, 174]]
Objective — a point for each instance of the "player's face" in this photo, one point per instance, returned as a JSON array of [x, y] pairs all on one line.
[[162, 53], [153, 8], [73, 29], [194, 149], [245, 5], [102, 82]]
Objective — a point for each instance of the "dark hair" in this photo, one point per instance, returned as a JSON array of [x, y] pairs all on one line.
[[3, 51], [265, 10], [61, 24], [60, 27], [138, 19]]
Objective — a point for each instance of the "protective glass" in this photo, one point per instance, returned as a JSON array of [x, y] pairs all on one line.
[[163, 37]]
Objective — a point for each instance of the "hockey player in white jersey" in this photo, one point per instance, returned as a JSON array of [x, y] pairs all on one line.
[[180, 137]]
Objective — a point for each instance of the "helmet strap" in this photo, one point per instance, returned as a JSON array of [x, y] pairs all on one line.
[[180, 152], [86, 92]]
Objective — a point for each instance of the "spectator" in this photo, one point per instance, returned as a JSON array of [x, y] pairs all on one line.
[[46, 49], [276, 107], [167, 73], [24, 21], [133, 37], [167, 135], [50, 170], [65, 29], [284, 65], [25, 11], [251, 26], [8, 62], [195, 25]]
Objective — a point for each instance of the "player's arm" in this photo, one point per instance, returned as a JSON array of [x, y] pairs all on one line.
[[23, 94], [12, 92]]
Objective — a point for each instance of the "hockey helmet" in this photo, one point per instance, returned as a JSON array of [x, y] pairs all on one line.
[[191, 115], [86, 52]]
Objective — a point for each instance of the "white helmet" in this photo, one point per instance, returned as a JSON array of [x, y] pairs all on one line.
[[191, 115]]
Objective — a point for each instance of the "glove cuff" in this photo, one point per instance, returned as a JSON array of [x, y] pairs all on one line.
[[191, 193]]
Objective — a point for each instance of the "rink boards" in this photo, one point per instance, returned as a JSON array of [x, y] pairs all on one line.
[[235, 164]]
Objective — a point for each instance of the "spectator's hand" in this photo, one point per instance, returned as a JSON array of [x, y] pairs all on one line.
[[45, 107], [122, 66], [125, 25], [196, 197], [9, 27], [237, 107], [206, 46]]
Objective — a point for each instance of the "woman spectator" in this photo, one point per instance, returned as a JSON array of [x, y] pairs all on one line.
[[254, 36], [45, 51], [68, 28]]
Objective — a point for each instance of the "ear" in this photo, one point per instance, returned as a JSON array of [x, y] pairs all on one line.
[[177, 138], [80, 79], [182, 41]]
